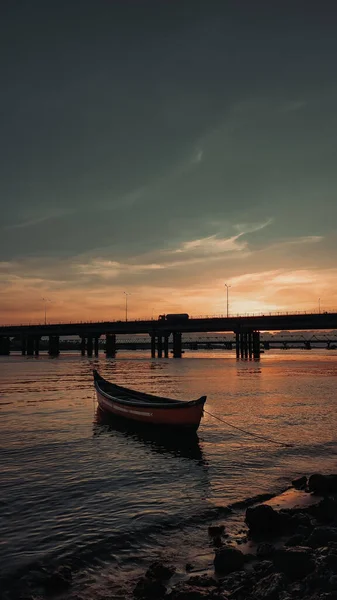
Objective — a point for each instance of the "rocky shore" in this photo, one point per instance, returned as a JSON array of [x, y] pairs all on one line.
[[289, 550]]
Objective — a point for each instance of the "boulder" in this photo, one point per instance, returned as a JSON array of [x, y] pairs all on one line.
[[263, 519], [216, 530], [159, 571], [149, 589], [322, 484], [265, 550], [228, 559], [295, 563], [321, 536], [300, 483], [269, 587], [295, 540]]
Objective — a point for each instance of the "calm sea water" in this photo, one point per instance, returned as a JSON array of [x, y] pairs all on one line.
[[106, 501]]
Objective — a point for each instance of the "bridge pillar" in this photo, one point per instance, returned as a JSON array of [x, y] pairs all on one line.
[[256, 344], [177, 350], [153, 345], [237, 344], [89, 345], [266, 345], [30, 345], [36, 345], [166, 345], [54, 345], [160, 346], [245, 341], [83, 345], [23, 345], [96, 345], [110, 345], [4, 346], [250, 344]]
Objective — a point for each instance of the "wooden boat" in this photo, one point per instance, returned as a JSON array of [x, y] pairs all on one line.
[[146, 408]]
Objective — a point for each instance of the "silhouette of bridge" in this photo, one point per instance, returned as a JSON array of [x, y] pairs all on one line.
[[247, 330]]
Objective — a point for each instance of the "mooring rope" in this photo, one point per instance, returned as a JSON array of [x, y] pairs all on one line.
[[262, 437]]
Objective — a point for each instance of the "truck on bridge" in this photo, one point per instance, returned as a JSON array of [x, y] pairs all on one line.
[[174, 317]]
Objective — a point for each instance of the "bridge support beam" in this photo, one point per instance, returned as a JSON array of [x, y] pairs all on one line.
[[110, 345], [256, 344], [250, 344], [30, 345], [237, 344], [177, 350], [4, 346], [153, 345], [54, 345], [89, 345], [23, 345], [36, 345], [166, 345], [160, 346], [83, 346], [96, 345]]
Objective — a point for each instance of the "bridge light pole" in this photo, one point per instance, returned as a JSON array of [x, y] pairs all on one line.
[[126, 305], [227, 287], [319, 306], [45, 300]]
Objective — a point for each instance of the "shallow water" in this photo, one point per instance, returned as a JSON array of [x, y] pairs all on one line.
[[78, 491]]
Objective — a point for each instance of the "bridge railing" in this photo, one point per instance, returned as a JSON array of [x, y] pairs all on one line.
[[191, 318]]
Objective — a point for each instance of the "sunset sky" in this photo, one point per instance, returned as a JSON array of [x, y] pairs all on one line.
[[164, 148]]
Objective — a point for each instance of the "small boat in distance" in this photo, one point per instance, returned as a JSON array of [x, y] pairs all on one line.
[[147, 408]]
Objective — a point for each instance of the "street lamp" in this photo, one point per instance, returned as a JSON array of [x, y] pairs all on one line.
[[126, 305], [319, 306], [45, 300], [227, 288]]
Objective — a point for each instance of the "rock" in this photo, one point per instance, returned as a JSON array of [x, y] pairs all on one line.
[[265, 550], [263, 519], [295, 540], [333, 583], [330, 563], [183, 591], [159, 571], [322, 484], [321, 536], [263, 567], [326, 510], [300, 483], [202, 581], [296, 562], [228, 559], [216, 530], [149, 589], [269, 587]]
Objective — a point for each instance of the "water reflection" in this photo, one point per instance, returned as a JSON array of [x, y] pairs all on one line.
[[185, 445]]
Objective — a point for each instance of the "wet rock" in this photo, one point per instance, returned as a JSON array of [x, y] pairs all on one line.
[[159, 571], [322, 484], [216, 530], [265, 550], [149, 589], [263, 519], [321, 536], [300, 483], [202, 581], [326, 510], [295, 563], [184, 591], [263, 567], [228, 559], [295, 540], [269, 587], [330, 563]]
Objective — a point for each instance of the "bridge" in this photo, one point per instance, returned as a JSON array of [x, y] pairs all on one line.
[[247, 330]]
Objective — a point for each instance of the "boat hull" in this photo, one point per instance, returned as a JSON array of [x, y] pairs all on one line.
[[181, 417]]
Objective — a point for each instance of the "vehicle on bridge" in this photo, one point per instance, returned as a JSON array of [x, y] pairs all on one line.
[[147, 409], [174, 317]]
